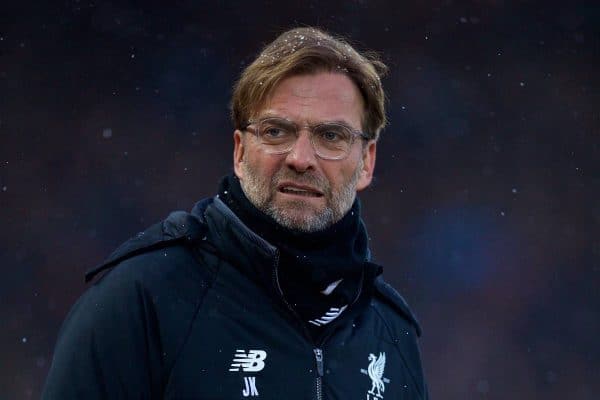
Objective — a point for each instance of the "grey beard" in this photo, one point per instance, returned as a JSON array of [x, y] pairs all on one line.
[[261, 194]]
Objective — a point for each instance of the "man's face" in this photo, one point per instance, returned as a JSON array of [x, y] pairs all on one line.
[[298, 189]]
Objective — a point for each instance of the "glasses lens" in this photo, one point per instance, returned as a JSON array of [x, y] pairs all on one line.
[[277, 134], [332, 140]]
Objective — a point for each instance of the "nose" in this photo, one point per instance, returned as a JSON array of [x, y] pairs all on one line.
[[302, 157]]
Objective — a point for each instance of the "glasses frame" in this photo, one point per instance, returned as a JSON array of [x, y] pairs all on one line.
[[311, 128]]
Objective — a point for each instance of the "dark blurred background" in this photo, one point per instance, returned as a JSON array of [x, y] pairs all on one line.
[[485, 209]]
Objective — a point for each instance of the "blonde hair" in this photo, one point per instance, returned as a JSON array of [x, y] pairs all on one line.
[[306, 51]]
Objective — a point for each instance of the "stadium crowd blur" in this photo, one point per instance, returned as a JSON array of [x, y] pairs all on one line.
[[485, 207]]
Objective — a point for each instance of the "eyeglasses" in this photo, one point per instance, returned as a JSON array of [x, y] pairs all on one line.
[[330, 140]]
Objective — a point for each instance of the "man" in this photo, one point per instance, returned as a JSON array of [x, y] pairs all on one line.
[[265, 290]]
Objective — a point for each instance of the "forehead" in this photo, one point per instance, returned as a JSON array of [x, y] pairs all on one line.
[[314, 98]]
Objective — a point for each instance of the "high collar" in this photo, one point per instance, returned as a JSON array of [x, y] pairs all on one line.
[[260, 262], [235, 242], [311, 260]]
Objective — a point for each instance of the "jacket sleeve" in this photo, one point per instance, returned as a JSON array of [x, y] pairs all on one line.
[[109, 346]]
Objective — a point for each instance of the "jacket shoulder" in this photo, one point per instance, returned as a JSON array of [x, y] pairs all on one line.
[[386, 293], [138, 312], [178, 228]]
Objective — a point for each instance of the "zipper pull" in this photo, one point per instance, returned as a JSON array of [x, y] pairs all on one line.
[[319, 358]]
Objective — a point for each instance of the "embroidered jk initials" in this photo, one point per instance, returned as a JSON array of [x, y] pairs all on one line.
[[250, 387]]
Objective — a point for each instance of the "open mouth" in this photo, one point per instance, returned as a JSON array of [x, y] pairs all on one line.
[[300, 191]]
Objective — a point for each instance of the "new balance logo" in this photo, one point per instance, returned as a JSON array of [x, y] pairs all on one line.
[[253, 361]]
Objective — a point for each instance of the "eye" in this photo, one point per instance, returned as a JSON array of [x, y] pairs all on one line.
[[332, 133], [331, 136], [273, 132]]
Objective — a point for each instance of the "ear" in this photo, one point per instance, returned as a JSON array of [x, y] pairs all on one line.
[[366, 175], [239, 148]]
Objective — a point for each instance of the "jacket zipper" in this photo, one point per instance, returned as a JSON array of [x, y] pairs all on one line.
[[319, 359], [318, 351]]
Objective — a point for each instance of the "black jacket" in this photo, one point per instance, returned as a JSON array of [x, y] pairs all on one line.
[[189, 314]]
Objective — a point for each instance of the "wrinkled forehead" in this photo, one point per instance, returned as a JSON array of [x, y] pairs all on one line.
[[315, 98]]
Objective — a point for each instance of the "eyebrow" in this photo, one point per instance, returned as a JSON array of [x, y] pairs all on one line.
[[335, 121]]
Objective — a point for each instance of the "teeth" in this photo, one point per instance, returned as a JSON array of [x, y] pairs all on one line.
[[290, 189], [304, 192]]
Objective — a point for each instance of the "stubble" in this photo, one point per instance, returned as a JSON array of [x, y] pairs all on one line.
[[293, 214]]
